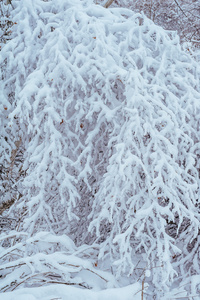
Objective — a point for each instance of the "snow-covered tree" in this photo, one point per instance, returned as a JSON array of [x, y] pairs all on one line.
[[105, 105], [181, 16]]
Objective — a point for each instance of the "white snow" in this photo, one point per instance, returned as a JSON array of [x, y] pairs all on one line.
[[107, 108], [65, 292]]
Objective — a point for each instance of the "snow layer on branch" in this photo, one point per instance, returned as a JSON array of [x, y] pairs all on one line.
[[107, 106], [68, 293]]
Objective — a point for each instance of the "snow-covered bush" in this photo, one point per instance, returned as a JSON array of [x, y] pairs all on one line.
[[106, 107], [5, 23], [181, 16], [43, 263]]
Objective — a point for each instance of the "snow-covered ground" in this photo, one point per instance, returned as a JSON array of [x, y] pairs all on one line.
[[58, 292]]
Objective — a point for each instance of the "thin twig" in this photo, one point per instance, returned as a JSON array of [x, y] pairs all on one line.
[[48, 281], [108, 3], [142, 294], [67, 283], [27, 278], [180, 8], [145, 287], [10, 2], [97, 275], [76, 266], [13, 266]]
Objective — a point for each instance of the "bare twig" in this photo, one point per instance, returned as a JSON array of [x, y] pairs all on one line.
[[89, 271], [48, 281], [9, 236], [13, 266], [28, 277], [10, 2], [142, 294], [145, 287], [67, 283], [180, 8], [97, 275], [108, 3]]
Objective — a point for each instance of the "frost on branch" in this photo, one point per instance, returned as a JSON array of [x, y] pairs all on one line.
[[107, 108]]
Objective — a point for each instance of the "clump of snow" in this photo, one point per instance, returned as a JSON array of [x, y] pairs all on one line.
[[147, 273]]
